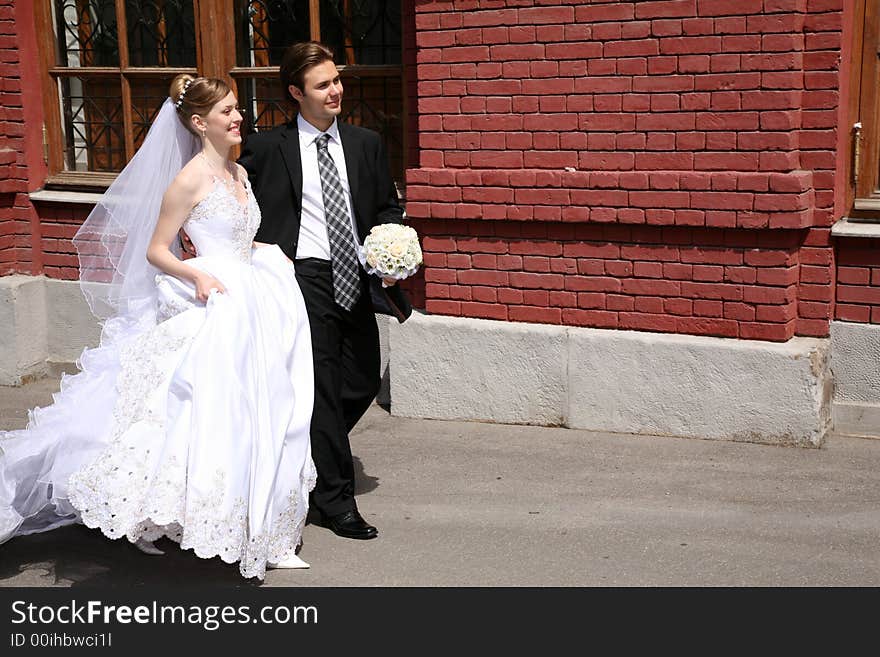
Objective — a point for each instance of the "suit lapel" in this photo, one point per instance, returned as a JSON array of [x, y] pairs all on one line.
[[351, 148], [293, 159]]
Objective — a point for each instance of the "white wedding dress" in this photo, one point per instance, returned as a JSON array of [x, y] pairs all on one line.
[[195, 427]]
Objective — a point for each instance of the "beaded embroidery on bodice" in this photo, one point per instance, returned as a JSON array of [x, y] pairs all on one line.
[[220, 225]]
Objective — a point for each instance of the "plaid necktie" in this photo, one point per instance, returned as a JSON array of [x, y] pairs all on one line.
[[343, 250]]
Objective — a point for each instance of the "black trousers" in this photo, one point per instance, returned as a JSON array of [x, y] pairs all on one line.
[[345, 346]]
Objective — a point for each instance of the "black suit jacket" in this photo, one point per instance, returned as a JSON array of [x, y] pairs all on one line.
[[274, 165]]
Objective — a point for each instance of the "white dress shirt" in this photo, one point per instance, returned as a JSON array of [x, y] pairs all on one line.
[[313, 240]]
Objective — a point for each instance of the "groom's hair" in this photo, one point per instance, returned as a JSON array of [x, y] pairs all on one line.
[[298, 59]]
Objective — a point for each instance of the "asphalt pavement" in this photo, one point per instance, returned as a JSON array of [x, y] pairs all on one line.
[[462, 504]]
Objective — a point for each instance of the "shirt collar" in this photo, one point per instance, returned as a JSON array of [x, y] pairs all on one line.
[[309, 133]]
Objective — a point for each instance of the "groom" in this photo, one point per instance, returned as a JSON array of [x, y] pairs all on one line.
[[318, 181]]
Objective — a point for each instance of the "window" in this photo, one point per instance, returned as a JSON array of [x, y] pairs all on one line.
[[365, 35], [865, 165], [111, 61]]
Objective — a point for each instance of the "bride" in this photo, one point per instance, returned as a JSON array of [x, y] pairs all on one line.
[[191, 418]]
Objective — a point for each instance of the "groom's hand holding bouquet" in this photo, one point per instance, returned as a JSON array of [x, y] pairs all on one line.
[[391, 252]]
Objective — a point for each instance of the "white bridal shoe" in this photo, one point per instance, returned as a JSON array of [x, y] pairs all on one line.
[[147, 547], [292, 561]]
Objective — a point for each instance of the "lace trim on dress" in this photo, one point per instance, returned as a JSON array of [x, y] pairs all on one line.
[[169, 303], [244, 217], [108, 491], [209, 533], [129, 491]]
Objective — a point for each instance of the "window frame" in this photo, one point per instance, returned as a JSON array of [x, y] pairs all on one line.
[[214, 18], [864, 130]]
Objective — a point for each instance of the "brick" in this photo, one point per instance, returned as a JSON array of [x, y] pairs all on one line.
[[534, 314], [707, 308], [652, 287], [512, 52], [541, 281], [488, 18], [729, 25], [776, 313], [852, 313], [509, 296], [763, 331], [739, 311], [666, 27], [648, 305], [606, 161], [648, 269], [715, 291], [545, 15], [592, 284], [617, 268], [484, 294], [605, 12], [669, 83], [767, 141], [812, 310], [444, 276], [536, 298], [698, 26], [660, 119], [659, 199], [862, 295], [539, 264], [646, 322], [768, 295], [683, 307], [690, 45], [854, 275], [590, 318], [562, 299], [726, 8], [456, 54], [484, 310], [662, 65]]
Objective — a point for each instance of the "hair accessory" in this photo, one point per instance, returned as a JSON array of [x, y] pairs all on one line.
[[183, 93]]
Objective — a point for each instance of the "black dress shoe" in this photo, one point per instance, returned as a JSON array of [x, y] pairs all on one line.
[[350, 524]]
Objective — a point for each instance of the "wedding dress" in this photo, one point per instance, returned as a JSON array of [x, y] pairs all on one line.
[[193, 425]]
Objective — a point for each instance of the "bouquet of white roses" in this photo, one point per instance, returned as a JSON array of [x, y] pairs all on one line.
[[392, 251]]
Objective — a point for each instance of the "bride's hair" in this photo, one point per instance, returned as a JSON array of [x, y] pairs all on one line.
[[192, 95]]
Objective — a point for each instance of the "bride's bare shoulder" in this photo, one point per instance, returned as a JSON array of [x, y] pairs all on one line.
[[189, 184]]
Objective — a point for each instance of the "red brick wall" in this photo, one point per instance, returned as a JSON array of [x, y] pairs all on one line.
[[562, 118], [858, 281], [702, 134], [16, 214], [59, 223], [732, 283]]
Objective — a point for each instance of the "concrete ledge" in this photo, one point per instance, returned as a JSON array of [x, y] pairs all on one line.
[[455, 369], [846, 227], [855, 363], [44, 326], [22, 329], [70, 325], [861, 420], [621, 381], [699, 387]]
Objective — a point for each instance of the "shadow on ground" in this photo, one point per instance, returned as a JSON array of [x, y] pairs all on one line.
[[78, 556], [364, 483]]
